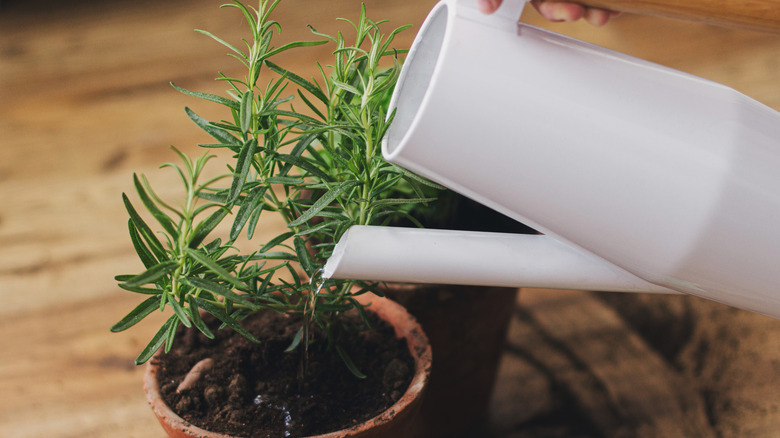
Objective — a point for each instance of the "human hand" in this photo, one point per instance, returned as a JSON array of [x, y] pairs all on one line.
[[558, 11]]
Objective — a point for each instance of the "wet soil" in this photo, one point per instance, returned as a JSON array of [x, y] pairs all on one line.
[[253, 390]]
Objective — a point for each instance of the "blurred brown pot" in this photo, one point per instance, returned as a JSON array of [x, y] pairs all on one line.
[[467, 328]]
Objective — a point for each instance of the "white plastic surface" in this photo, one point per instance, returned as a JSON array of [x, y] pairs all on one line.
[[671, 177], [462, 257]]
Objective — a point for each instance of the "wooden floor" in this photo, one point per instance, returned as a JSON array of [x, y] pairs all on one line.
[[85, 102]]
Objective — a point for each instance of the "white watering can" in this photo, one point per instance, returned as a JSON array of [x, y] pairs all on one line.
[[642, 178]]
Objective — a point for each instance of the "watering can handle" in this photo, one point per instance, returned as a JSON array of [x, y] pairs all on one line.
[[761, 15]]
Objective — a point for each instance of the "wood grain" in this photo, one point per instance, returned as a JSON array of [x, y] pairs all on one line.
[[85, 102], [761, 15]]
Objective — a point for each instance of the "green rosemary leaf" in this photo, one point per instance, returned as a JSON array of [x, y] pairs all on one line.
[[221, 315], [152, 274], [321, 226], [303, 83], [219, 134], [304, 118], [348, 362], [157, 340], [275, 255], [227, 127], [162, 218], [136, 315], [253, 200], [218, 289], [179, 311], [361, 309], [347, 87], [304, 258], [221, 41], [247, 14], [196, 319], [143, 229], [217, 197], [295, 342], [146, 256], [245, 112], [323, 202], [401, 214], [399, 201], [272, 24], [295, 277], [285, 180], [232, 147], [262, 289], [272, 269], [305, 165], [300, 147], [203, 208], [171, 333], [275, 89], [418, 178], [265, 43], [203, 229], [244, 163], [210, 97], [214, 267], [276, 241], [387, 185], [139, 289], [311, 106], [293, 45], [251, 225]]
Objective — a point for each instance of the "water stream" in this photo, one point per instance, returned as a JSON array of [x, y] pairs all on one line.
[[316, 282]]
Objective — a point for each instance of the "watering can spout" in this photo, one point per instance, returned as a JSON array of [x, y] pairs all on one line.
[[412, 255]]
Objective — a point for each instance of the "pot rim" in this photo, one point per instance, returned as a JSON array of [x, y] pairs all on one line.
[[405, 326]]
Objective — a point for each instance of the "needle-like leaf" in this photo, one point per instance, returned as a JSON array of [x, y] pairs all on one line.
[[136, 315], [323, 202], [210, 97], [243, 165], [153, 274], [214, 267], [221, 315], [157, 340], [217, 289]]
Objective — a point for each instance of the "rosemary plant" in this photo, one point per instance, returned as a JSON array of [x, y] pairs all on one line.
[[320, 169]]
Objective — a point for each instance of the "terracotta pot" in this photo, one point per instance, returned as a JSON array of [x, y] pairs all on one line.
[[397, 421], [467, 327]]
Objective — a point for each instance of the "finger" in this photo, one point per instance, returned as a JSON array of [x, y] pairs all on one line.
[[559, 11], [597, 17], [488, 6]]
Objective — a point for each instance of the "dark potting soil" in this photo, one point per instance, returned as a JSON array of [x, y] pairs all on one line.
[[254, 390]]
